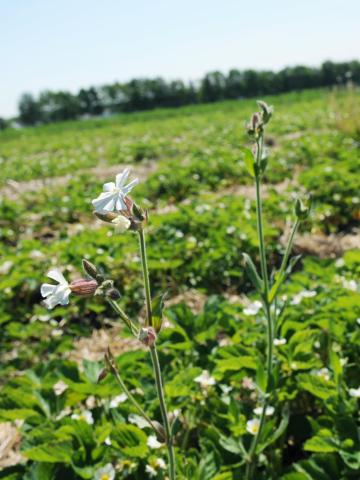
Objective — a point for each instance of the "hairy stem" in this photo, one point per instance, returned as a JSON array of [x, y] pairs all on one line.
[[146, 277]]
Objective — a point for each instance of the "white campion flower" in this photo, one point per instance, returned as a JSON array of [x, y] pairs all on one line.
[[115, 402], [55, 294], [113, 195], [85, 415], [152, 442], [252, 308], [252, 426], [268, 411], [205, 379], [105, 473], [354, 392], [279, 341]]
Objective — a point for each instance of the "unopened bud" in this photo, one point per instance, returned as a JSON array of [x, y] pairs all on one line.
[[147, 336], [106, 216], [121, 223], [102, 374], [113, 294], [266, 111], [83, 287], [302, 211], [90, 268]]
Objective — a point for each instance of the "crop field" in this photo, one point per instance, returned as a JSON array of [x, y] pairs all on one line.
[[57, 421]]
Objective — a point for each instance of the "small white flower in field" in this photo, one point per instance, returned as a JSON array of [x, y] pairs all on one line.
[[115, 402], [349, 285], [252, 426], [304, 294], [55, 294], [205, 380], [36, 254], [161, 463], [59, 387], [150, 470], [107, 441], [252, 308], [248, 383], [279, 341], [323, 373], [354, 392], [226, 388], [138, 421], [358, 321], [105, 473], [268, 412], [152, 442], [6, 267], [121, 224], [85, 415], [230, 230], [113, 196], [340, 262]]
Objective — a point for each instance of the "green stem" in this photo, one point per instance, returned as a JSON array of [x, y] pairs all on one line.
[[289, 247], [155, 359], [270, 327], [146, 277], [130, 396], [123, 316], [160, 392]]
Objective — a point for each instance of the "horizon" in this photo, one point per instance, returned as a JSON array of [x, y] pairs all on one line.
[[92, 45]]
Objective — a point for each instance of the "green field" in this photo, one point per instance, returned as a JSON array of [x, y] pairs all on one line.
[[201, 217]]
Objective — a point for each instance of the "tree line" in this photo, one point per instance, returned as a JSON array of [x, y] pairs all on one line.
[[146, 94]]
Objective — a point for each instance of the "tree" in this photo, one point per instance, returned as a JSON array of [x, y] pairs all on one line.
[[29, 110]]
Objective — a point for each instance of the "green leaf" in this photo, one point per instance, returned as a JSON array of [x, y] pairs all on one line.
[[253, 274], [50, 452], [130, 440], [321, 444], [157, 311], [316, 385], [235, 363], [249, 161]]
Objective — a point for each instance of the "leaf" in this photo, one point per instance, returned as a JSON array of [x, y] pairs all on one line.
[[253, 274], [50, 452], [248, 158], [235, 363], [230, 445], [130, 440], [157, 311], [317, 386], [321, 445], [278, 432]]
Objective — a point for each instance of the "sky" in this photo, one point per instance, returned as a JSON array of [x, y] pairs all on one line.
[[69, 44]]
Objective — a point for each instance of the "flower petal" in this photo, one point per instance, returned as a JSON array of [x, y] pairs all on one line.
[[121, 178], [130, 186], [120, 204], [47, 289], [105, 202], [108, 186], [56, 275]]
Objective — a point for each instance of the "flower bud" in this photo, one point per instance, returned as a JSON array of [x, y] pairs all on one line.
[[113, 294], [302, 211], [89, 268], [147, 336], [266, 111], [102, 374], [83, 287], [106, 216]]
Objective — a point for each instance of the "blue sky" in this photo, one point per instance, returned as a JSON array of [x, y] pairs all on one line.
[[67, 44]]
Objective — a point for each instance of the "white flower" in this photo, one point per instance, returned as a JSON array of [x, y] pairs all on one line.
[[137, 420], [205, 379], [340, 262], [304, 294], [323, 373], [153, 442], [150, 470], [248, 383], [6, 267], [279, 341], [107, 441], [55, 294], [85, 415], [105, 473], [252, 426], [59, 387], [349, 285], [121, 223], [252, 308], [161, 463], [354, 392], [115, 402], [113, 196], [268, 412]]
